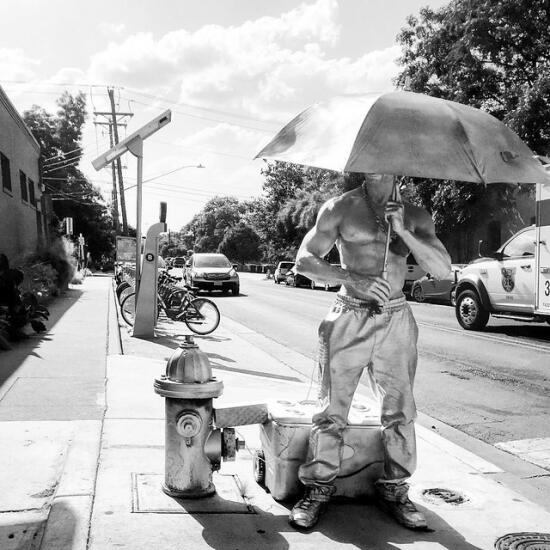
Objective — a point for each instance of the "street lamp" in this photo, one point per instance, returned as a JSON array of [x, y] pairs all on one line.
[[134, 144]]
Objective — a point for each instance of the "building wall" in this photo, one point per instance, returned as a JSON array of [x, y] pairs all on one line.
[[21, 221]]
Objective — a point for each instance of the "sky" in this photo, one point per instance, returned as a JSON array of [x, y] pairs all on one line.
[[233, 72]]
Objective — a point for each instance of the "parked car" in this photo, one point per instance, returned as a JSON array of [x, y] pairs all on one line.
[[212, 272], [326, 286], [295, 279], [178, 262], [442, 290], [281, 271], [414, 272]]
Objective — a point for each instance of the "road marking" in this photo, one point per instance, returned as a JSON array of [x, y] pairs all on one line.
[[491, 338], [536, 451]]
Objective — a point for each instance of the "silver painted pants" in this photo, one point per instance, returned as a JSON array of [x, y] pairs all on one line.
[[352, 339]]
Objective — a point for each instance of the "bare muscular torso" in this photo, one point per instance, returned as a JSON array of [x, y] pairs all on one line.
[[361, 242]]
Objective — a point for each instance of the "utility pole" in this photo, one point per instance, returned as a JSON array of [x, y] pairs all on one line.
[[114, 192], [113, 125], [111, 92]]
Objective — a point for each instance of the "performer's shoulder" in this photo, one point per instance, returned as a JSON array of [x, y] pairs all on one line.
[[344, 201]]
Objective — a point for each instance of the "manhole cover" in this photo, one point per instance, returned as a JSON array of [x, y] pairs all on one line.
[[443, 496], [524, 541]]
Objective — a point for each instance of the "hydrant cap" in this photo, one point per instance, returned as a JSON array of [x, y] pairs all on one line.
[[188, 364]]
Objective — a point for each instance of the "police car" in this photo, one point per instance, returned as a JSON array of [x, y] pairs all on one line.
[[514, 282]]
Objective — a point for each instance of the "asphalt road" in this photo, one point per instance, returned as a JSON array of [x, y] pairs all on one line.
[[493, 385]]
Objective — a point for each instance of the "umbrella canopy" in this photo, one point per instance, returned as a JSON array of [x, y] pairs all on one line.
[[409, 134]]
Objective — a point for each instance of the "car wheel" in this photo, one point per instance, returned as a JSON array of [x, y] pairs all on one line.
[[470, 313], [418, 294]]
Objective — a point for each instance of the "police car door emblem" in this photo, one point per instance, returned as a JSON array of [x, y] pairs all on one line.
[[508, 278]]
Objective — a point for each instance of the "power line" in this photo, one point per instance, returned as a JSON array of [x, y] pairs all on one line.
[[208, 109], [210, 119], [167, 173]]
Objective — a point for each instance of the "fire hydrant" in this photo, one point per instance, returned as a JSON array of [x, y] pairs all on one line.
[[193, 448]]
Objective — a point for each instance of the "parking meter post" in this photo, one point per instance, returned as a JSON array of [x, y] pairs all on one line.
[[146, 300]]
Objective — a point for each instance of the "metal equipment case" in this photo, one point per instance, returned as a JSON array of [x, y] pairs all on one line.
[[285, 437]]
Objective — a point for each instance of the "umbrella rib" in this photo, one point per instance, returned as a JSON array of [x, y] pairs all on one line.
[[466, 142]]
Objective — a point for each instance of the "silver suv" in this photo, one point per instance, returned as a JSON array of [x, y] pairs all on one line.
[[281, 271], [212, 272]]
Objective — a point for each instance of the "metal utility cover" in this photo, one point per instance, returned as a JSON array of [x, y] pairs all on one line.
[[148, 497]]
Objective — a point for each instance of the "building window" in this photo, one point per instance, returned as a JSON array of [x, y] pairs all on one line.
[[32, 200], [23, 183], [6, 173]]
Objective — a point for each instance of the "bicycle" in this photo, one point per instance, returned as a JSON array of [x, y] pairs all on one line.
[[201, 315]]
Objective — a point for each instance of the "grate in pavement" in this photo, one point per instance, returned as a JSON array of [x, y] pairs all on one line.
[[524, 541], [148, 497], [438, 495]]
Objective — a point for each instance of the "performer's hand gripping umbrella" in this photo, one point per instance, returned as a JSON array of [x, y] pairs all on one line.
[[407, 134]]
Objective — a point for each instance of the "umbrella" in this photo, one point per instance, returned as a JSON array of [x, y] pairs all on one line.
[[408, 134]]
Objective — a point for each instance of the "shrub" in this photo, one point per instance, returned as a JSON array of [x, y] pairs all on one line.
[[50, 269]]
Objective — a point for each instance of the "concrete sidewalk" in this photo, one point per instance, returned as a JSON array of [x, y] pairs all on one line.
[[105, 491]]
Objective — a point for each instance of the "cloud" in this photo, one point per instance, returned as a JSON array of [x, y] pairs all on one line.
[[268, 68], [109, 28], [15, 65]]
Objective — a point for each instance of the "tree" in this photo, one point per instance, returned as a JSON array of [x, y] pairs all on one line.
[[73, 195], [293, 196], [241, 243], [490, 55], [209, 226]]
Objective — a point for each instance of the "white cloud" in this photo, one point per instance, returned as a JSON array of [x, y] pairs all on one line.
[[109, 28], [15, 65], [267, 68]]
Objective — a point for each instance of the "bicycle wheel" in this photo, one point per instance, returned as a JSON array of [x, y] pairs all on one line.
[[128, 308], [202, 316], [121, 287]]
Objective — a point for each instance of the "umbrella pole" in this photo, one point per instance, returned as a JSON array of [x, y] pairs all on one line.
[[393, 197]]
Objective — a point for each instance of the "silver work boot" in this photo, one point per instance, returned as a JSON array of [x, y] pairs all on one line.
[[394, 499], [308, 509]]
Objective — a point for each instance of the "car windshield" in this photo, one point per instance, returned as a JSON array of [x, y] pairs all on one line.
[[211, 261], [286, 265]]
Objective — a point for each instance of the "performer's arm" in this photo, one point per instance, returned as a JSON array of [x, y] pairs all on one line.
[[428, 250]]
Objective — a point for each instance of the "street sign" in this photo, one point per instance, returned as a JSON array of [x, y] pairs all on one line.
[[125, 249]]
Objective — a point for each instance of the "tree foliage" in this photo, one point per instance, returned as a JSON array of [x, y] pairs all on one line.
[[73, 195], [207, 228], [491, 55], [241, 243]]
